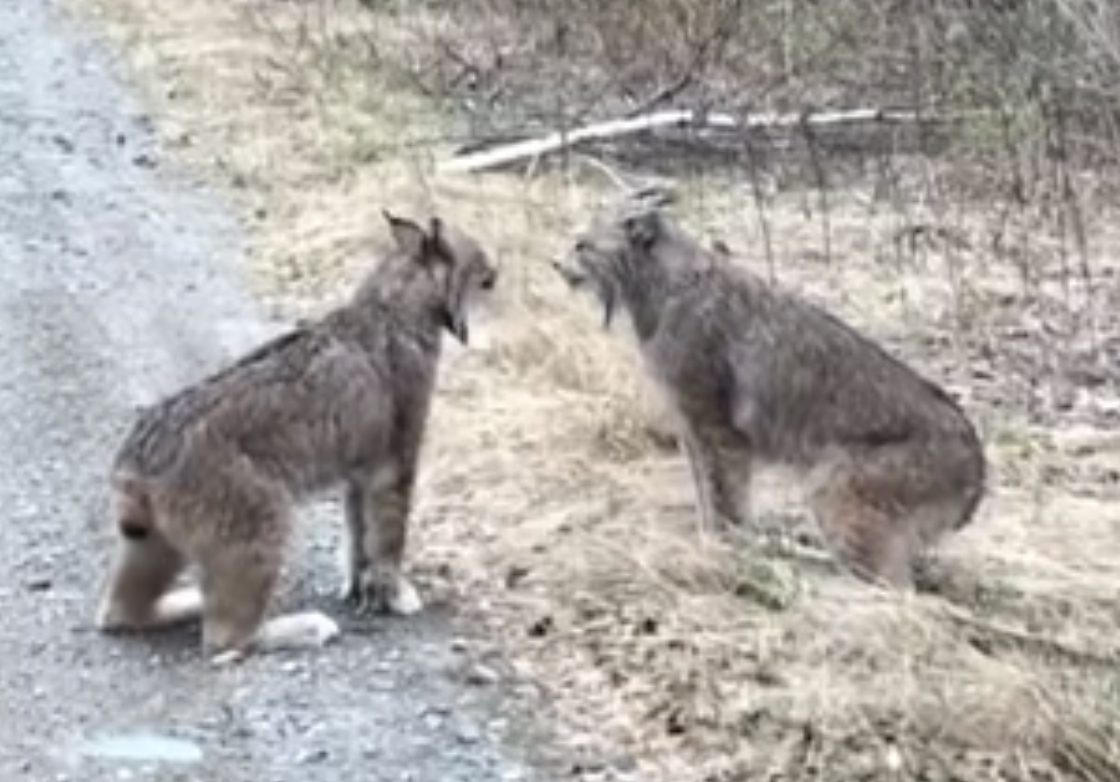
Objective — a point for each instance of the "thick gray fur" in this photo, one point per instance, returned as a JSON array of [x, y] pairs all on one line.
[[209, 475], [891, 462]]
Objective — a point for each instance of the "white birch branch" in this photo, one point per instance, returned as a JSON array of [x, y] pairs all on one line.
[[553, 142]]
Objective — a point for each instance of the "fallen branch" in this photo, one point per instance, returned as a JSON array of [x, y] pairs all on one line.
[[532, 148]]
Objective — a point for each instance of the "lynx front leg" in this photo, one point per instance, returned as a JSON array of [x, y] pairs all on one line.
[[700, 483], [355, 562], [717, 500], [387, 507]]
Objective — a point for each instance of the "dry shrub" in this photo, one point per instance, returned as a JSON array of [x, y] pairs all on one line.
[[567, 528]]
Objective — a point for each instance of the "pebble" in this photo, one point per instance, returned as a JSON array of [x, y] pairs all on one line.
[[481, 675], [310, 756], [467, 732]]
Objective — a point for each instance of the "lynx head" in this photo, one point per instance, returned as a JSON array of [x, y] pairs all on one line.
[[456, 263], [613, 254]]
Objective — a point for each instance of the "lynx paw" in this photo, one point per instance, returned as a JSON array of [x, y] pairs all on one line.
[[307, 630], [405, 600], [179, 605], [390, 594], [227, 659]]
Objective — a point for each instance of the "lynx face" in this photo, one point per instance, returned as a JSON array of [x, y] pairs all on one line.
[[609, 254], [471, 276], [463, 270]]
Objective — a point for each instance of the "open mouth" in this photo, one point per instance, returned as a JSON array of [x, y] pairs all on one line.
[[456, 326]]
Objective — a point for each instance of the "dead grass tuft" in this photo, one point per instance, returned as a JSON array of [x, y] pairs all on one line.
[[548, 493]]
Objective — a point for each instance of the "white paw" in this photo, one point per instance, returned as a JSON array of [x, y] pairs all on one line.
[[306, 630], [227, 658], [179, 605], [407, 600]]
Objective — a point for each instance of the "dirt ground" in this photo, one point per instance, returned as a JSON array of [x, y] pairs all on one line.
[[550, 506], [119, 283]]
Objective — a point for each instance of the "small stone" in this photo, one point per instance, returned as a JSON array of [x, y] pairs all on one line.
[[310, 756], [481, 675], [515, 575], [625, 764], [467, 733], [39, 584]]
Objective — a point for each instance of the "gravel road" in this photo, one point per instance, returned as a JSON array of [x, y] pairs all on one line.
[[116, 285]]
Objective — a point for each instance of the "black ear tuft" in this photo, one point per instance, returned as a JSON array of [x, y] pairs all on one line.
[[437, 245]]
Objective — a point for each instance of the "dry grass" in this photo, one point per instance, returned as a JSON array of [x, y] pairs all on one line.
[[570, 534]]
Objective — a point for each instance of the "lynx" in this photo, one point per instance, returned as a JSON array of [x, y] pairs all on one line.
[[757, 375], [208, 476]]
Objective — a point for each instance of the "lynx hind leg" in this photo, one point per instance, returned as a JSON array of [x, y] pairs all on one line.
[[238, 581], [237, 585], [872, 536], [132, 506], [137, 593]]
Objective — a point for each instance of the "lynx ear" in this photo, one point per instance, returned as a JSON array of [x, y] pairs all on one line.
[[437, 247], [643, 228], [409, 237]]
